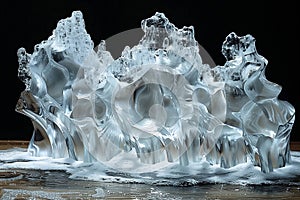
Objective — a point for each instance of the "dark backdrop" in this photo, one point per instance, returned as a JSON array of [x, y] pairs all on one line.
[[274, 25]]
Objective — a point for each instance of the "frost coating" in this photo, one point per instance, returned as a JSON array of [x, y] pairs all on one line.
[[156, 104]]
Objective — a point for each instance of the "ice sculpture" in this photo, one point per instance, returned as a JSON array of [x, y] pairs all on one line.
[[156, 103]]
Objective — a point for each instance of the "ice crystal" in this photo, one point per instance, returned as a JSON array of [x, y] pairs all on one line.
[[155, 104]]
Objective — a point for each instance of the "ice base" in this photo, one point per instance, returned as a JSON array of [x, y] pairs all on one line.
[[156, 104]]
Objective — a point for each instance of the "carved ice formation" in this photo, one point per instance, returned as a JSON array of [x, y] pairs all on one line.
[[156, 103]]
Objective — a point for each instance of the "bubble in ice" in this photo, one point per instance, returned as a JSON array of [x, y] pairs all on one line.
[[156, 104]]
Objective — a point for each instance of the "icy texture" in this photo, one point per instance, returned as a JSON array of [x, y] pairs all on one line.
[[156, 104], [197, 173]]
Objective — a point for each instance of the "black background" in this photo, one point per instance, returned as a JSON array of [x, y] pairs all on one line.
[[274, 25]]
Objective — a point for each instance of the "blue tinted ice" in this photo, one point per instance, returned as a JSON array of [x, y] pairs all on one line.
[[154, 105]]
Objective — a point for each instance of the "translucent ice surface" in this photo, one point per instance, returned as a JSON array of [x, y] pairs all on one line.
[[154, 106]]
